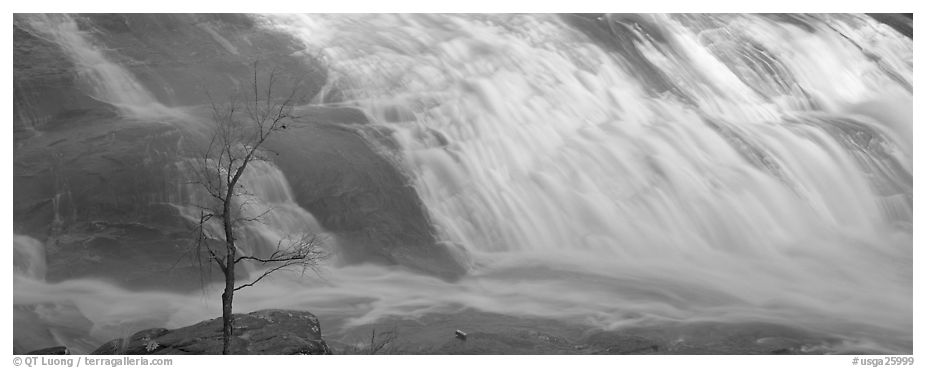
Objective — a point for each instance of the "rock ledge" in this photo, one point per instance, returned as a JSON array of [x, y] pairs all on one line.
[[272, 331]]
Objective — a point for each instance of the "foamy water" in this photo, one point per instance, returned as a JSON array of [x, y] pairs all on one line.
[[773, 185], [780, 196]]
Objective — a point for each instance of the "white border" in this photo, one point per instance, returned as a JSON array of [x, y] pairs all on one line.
[[323, 6]]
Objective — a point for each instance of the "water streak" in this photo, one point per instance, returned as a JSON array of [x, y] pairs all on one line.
[[108, 81], [767, 178], [771, 185]]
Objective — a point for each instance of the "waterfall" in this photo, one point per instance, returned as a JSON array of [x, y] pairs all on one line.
[[108, 81], [768, 178], [28, 257], [608, 172], [266, 202], [84, 313]]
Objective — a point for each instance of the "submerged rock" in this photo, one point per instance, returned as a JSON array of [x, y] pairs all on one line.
[[273, 331]]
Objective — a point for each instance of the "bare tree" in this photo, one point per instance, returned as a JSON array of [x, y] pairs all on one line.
[[242, 126]]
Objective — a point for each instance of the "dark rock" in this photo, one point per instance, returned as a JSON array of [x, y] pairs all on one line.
[[40, 325], [508, 342], [713, 338], [616, 34], [45, 82], [97, 193], [615, 342], [174, 56], [100, 190], [902, 23], [57, 350], [273, 332], [360, 194]]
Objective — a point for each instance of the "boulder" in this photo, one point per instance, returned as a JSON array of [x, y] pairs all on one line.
[[273, 332], [98, 194], [174, 56], [361, 194], [101, 190]]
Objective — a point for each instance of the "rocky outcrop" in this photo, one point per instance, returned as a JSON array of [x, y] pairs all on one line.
[[178, 55], [101, 194], [100, 190], [38, 326], [174, 56], [616, 34], [98, 193], [902, 23], [274, 332], [358, 193]]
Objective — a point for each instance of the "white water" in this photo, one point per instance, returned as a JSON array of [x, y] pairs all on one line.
[[529, 143], [585, 195], [112, 312], [107, 80], [269, 218], [28, 257]]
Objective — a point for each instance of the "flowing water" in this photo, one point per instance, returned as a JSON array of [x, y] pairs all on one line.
[[106, 80], [728, 168]]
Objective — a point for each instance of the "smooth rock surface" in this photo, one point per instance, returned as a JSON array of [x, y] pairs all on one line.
[[273, 331]]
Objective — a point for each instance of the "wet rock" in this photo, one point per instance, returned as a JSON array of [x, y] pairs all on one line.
[[174, 56], [902, 23], [99, 190], [98, 195], [615, 342], [274, 332], [361, 195], [38, 326]]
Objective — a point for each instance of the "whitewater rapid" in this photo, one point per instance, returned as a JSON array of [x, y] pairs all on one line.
[[771, 181]]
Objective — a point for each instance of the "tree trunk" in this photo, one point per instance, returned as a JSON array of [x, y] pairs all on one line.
[[229, 294], [227, 314]]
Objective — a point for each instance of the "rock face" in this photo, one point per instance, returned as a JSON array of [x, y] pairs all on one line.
[[174, 56], [98, 193], [358, 193], [36, 327], [273, 332], [100, 189], [902, 23]]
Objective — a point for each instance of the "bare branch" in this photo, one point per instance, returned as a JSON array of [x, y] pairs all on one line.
[[265, 274], [241, 127], [307, 249], [305, 253]]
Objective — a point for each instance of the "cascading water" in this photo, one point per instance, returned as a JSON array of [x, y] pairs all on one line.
[[108, 81], [28, 257], [720, 168], [768, 191], [266, 200]]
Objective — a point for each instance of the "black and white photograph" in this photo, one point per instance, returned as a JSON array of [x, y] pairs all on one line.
[[461, 184]]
